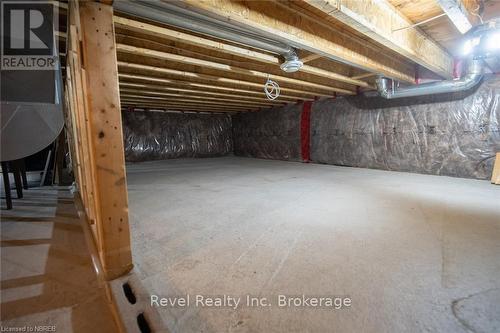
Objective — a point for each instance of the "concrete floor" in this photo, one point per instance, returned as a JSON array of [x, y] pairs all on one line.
[[47, 277], [415, 253]]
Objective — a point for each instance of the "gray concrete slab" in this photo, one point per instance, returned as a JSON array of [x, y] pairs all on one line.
[[413, 252]]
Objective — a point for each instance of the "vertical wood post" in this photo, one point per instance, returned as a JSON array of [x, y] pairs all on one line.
[[106, 137], [495, 177]]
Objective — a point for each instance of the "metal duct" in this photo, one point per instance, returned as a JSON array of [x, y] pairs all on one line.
[[468, 81], [168, 13]]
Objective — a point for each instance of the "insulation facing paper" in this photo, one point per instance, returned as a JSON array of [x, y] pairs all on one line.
[[161, 135], [452, 134]]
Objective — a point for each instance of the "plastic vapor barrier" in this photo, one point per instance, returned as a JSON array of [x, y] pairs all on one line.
[[454, 134], [272, 134], [161, 135]]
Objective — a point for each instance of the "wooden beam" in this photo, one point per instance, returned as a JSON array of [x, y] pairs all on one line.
[[161, 32], [378, 20], [227, 68], [200, 93], [458, 13], [310, 57], [191, 84], [495, 176], [305, 33], [363, 76], [216, 79], [107, 138]]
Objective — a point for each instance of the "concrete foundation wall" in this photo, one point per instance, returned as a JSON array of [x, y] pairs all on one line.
[[454, 135], [160, 135]]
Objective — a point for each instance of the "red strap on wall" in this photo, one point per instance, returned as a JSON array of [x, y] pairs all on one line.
[[305, 131]]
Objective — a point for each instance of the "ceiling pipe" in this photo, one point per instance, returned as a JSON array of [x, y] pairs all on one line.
[[468, 81], [480, 42], [170, 14]]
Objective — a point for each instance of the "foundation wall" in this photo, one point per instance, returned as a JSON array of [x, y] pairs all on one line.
[[453, 135], [157, 135]]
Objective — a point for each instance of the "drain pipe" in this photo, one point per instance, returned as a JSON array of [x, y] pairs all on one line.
[[170, 14], [468, 81]]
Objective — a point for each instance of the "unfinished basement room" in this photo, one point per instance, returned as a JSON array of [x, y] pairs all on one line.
[[182, 166]]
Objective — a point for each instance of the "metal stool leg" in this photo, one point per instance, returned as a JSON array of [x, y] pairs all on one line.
[[6, 184], [22, 168], [17, 179]]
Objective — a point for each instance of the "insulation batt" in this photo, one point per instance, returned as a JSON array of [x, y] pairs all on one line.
[[450, 134], [161, 135], [271, 134]]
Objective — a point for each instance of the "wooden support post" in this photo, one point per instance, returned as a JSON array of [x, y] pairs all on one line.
[[495, 177], [106, 137]]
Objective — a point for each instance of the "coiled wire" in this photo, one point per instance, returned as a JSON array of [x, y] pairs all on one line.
[[272, 89]]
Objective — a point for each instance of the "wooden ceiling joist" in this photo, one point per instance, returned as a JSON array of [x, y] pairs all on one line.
[[195, 97], [378, 20], [363, 76], [460, 13], [168, 83], [182, 100], [161, 32], [198, 106], [269, 17], [138, 108], [131, 102], [212, 78], [228, 68], [310, 57], [157, 88], [151, 104], [182, 106]]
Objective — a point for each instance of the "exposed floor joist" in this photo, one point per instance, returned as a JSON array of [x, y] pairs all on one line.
[[310, 57], [162, 32], [272, 18], [458, 13], [161, 60], [200, 93], [173, 84], [363, 76], [212, 78], [177, 106], [141, 108], [182, 100], [195, 97], [379, 20], [227, 68]]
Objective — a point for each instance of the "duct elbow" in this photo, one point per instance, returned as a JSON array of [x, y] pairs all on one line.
[[469, 81]]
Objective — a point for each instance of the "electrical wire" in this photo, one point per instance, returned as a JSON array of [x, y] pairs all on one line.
[[272, 89], [476, 11]]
